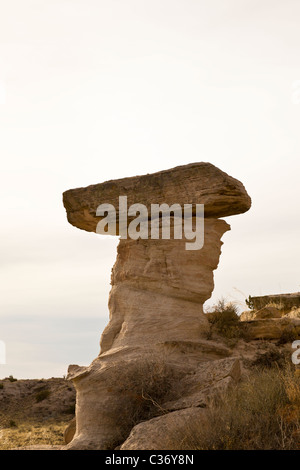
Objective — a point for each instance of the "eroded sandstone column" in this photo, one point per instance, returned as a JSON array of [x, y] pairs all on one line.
[[158, 290], [157, 296]]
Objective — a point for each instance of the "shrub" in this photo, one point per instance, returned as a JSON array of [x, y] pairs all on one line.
[[261, 413], [42, 395], [1, 386], [249, 303], [225, 320], [288, 335], [141, 389], [12, 379], [271, 358], [12, 424]]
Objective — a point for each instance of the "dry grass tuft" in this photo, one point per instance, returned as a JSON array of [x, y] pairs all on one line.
[[32, 433], [261, 413]]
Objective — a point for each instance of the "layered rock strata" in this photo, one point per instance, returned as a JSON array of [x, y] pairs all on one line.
[[283, 301], [157, 326]]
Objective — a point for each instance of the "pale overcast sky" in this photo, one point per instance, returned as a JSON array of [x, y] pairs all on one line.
[[92, 90]]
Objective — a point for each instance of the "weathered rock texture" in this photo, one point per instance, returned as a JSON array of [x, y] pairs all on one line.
[[167, 431], [70, 431], [197, 183], [285, 301], [156, 307], [267, 312], [271, 328], [158, 288]]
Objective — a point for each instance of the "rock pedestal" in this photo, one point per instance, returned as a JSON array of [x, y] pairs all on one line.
[[157, 327]]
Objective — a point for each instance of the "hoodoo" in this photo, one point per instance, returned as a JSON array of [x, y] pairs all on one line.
[[156, 305]]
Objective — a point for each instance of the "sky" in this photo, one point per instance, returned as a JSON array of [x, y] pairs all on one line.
[[92, 90]]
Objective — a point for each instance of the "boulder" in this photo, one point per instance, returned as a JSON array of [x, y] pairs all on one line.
[[70, 431], [167, 432], [208, 379]]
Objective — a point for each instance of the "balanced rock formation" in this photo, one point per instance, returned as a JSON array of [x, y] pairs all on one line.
[[154, 352], [196, 183]]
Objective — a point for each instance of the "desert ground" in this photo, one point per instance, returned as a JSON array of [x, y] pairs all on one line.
[[259, 410]]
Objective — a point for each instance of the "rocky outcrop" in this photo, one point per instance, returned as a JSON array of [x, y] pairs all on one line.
[[208, 379], [247, 315], [271, 323], [285, 301], [157, 330], [294, 313], [271, 328], [267, 312]]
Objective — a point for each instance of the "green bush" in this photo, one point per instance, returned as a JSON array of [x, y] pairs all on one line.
[[1, 386]]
